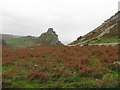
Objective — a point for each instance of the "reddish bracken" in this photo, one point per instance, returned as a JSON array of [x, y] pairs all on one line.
[[64, 60]]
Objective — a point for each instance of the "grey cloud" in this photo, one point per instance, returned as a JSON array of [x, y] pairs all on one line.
[[69, 18]]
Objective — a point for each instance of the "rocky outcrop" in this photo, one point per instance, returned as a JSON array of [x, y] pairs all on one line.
[[48, 38]]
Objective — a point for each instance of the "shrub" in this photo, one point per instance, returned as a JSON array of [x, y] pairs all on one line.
[[43, 76]]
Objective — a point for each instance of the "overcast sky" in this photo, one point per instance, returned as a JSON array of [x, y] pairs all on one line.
[[69, 18]]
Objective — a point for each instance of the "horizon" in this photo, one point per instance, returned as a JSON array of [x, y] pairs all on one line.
[[68, 20]]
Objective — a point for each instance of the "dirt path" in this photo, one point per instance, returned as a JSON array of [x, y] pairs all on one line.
[[113, 44]]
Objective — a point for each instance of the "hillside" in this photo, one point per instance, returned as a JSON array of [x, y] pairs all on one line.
[[48, 38], [108, 32], [21, 42], [61, 67]]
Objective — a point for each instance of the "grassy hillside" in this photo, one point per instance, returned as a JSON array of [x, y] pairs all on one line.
[[61, 67], [21, 42]]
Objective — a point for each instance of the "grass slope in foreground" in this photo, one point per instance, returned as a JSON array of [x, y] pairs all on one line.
[[61, 67]]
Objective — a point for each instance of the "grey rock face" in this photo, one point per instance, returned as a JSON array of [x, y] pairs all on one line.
[[49, 37]]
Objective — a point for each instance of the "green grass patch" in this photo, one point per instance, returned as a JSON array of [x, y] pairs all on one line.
[[106, 40], [20, 42]]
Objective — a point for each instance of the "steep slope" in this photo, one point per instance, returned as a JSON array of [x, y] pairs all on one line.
[[108, 32], [48, 38]]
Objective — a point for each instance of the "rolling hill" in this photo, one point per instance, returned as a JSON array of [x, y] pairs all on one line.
[[21, 42]]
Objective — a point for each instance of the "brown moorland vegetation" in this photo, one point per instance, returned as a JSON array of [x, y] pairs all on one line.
[[40, 67]]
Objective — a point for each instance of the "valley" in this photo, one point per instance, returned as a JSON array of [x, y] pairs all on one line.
[[91, 61]]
